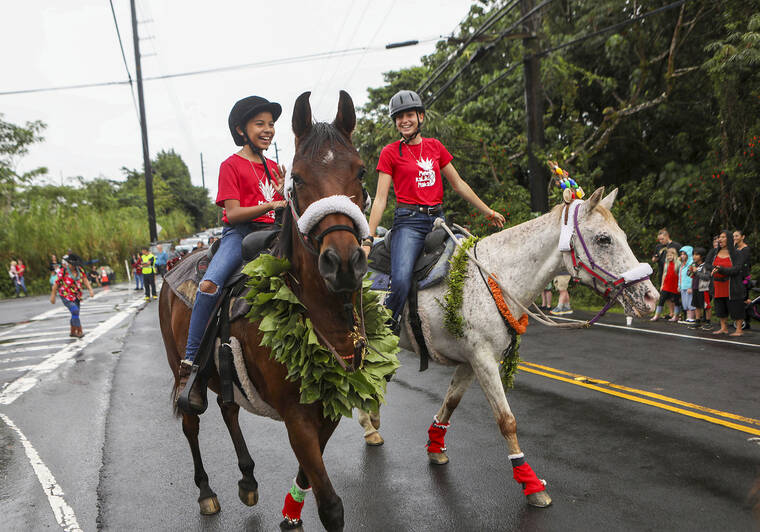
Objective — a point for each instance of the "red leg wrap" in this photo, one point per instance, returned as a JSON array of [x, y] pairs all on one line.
[[292, 509], [436, 434], [524, 475]]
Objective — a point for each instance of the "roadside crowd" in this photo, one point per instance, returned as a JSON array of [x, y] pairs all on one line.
[[695, 282]]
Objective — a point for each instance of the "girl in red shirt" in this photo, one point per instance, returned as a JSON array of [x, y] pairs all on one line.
[[249, 192], [414, 165], [669, 291]]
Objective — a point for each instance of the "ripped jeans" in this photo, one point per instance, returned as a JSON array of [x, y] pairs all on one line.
[[224, 263]]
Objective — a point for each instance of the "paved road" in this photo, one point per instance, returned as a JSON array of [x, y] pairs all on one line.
[[101, 424]]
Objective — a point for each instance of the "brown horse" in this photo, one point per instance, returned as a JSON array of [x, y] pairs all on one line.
[[327, 270]]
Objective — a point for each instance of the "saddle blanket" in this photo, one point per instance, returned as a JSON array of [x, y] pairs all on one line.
[[243, 390]]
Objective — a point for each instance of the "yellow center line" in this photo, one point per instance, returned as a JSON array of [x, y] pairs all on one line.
[[658, 396], [696, 415]]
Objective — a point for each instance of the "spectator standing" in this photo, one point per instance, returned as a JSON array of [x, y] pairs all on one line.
[[53, 267], [664, 243], [561, 283], [700, 290], [68, 284], [20, 271], [162, 257], [546, 298], [745, 256], [148, 263], [684, 284], [726, 270], [137, 268], [669, 292]]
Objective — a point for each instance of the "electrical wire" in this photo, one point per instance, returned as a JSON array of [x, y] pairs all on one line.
[[124, 58]]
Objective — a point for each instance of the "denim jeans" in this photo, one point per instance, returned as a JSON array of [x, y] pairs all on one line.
[[138, 281], [73, 307], [224, 263], [407, 239]]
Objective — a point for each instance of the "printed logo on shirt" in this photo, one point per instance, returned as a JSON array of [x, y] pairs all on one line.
[[267, 190], [426, 177]]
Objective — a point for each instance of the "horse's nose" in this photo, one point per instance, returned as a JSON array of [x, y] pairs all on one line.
[[650, 299], [340, 276]]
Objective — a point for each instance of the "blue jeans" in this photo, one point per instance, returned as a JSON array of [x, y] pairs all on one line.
[[20, 285], [138, 281], [407, 239], [73, 307], [224, 263]]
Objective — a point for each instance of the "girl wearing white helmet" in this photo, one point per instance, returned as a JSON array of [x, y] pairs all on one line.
[[414, 165]]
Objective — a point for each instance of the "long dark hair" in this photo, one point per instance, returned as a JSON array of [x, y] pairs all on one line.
[[730, 245]]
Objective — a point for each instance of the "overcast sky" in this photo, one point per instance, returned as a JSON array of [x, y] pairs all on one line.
[[94, 132]]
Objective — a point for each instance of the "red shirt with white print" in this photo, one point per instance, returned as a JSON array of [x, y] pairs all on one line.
[[246, 181], [417, 172]]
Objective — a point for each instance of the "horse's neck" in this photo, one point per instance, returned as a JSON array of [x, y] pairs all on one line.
[[525, 257]]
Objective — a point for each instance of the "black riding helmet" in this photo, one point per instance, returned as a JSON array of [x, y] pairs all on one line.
[[245, 109]]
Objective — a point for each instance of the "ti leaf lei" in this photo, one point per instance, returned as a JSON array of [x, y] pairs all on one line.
[[452, 312], [291, 338]]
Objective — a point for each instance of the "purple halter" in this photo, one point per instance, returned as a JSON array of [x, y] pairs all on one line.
[[612, 284]]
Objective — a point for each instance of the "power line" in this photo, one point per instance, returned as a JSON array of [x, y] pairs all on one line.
[[259, 64], [548, 51], [124, 57], [483, 50], [493, 19]]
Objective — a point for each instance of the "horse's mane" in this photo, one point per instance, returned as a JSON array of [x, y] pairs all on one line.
[[604, 211], [284, 246]]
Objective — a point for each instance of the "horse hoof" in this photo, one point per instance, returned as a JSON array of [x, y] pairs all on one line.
[[539, 499], [438, 458], [296, 525], [249, 498], [374, 439], [209, 505]]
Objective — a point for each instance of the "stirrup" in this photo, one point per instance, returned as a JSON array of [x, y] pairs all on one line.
[[183, 401]]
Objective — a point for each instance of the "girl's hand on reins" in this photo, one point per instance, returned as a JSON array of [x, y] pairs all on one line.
[[366, 250]]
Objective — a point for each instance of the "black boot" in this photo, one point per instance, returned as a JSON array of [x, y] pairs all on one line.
[[195, 403]]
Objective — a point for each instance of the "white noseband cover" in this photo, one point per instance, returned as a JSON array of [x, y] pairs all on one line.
[[641, 271], [315, 212]]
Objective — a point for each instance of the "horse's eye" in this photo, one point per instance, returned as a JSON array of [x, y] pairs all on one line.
[[297, 179], [361, 174], [603, 240]]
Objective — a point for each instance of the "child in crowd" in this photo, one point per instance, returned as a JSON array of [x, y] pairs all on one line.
[[546, 298], [669, 287], [700, 290], [684, 285]]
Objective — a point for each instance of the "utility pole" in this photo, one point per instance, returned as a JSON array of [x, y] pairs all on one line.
[[534, 111], [144, 131], [276, 154], [203, 172]]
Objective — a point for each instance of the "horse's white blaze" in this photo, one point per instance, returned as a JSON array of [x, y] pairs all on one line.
[[329, 156]]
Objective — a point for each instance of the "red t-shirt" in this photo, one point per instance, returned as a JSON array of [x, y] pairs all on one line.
[[246, 181], [670, 281], [720, 281], [417, 173]]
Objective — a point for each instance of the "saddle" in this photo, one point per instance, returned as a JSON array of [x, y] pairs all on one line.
[[232, 305], [431, 268]]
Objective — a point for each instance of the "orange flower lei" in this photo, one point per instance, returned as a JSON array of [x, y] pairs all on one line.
[[518, 325]]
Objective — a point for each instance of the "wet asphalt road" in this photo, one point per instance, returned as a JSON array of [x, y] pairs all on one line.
[[102, 424]]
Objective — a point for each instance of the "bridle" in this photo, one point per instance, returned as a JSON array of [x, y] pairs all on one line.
[[307, 220], [611, 285]]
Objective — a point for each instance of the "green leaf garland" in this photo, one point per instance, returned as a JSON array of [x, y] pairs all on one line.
[[291, 338], [452, 299]]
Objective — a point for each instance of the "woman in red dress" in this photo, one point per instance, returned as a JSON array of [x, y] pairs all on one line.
[[726, 269]]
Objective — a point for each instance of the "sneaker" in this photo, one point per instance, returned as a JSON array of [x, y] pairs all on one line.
[[687, 322], [707, 326], [557, 311], [155, 297], [693, 324], [147, 298]]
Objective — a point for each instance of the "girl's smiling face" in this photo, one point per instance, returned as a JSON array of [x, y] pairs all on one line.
[[260, 130], [683, 256], [407, 122]]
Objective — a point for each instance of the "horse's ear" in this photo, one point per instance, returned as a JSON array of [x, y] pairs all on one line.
[[609, 199], [302, 115], [345, 120], [593, 201]]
